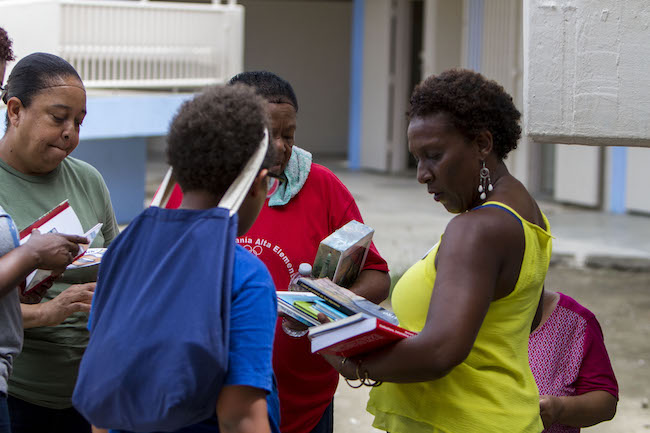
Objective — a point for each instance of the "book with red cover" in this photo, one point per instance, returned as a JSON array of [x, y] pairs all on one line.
[[355, 335], [61, 219]]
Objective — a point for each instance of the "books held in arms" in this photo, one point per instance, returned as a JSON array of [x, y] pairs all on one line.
[[367, 327], [341, 255], [61, 219]]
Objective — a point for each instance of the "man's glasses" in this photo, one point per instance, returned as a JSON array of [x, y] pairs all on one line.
[[3, 92], [273, 182]]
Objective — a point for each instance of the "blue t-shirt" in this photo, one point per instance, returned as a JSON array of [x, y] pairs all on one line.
[[252, 326]]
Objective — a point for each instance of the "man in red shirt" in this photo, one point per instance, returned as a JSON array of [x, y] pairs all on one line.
[[310, 204]]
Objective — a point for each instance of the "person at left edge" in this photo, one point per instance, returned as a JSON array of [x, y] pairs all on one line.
[[46, 104], [52, 251]]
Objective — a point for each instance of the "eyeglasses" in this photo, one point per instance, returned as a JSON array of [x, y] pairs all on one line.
[[3, 92], [273, 182]]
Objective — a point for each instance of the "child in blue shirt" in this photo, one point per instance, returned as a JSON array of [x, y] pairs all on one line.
[[214, 138]]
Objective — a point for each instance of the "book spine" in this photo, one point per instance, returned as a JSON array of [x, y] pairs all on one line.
[[396, 330], [367, 342], [329, 301]]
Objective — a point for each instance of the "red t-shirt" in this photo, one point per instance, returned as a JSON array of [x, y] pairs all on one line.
[[283, 237]]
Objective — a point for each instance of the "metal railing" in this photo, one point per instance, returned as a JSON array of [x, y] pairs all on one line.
[[134, 44]]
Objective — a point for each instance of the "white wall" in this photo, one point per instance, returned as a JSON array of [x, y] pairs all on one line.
[[587, 75], [375, 84], [308, 44], [637, 197], [385, 84], [502, 61], [27, 24], [578, 175], [446, 27], [501, 44], [442, 34]]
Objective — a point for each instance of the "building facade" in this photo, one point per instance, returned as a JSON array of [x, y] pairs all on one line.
[[353, 64]]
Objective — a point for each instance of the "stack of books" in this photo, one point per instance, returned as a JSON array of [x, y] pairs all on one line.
[[356, 325]]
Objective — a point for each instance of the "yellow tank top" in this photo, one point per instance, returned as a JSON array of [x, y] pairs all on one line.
[[493, 390]]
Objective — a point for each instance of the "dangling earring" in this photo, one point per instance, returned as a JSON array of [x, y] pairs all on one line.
[[485, 185]]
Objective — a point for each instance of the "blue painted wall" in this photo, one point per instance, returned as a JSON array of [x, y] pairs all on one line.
[[114, 140], [130, 116], [618, 183], [122, 162]]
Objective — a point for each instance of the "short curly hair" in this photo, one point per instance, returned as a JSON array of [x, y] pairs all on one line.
[[473, 104], [6, 54], [270, 86], [213, 135]]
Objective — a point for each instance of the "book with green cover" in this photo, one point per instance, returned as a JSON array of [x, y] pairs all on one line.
[[288, 309], [305, 307], [345, 300]]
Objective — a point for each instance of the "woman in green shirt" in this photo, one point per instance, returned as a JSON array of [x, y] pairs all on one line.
[[46, 104]]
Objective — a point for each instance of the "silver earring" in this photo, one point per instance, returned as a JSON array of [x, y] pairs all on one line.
[[485, 184]]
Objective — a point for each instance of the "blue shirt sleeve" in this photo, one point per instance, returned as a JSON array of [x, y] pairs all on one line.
[[252, 324]]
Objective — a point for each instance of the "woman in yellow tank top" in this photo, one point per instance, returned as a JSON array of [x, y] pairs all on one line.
[[474, 296]]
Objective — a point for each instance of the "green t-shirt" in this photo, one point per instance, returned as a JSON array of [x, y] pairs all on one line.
[[45, 372]]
